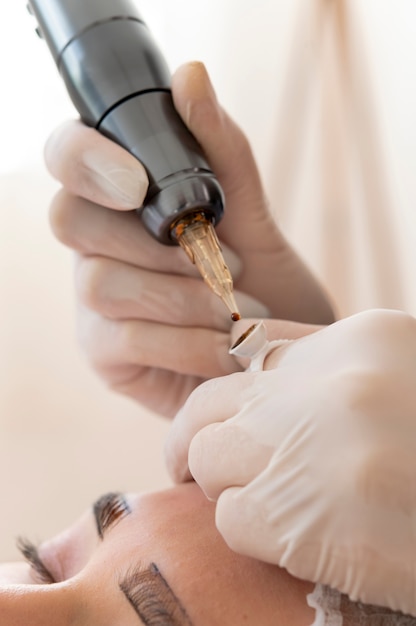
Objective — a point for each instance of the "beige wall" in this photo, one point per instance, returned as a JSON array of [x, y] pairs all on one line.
[[65, 439]]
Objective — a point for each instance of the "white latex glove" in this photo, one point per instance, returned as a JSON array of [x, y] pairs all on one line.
[[313, 462], [145, 316]]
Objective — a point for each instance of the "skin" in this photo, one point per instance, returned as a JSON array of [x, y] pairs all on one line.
[[174, 529]]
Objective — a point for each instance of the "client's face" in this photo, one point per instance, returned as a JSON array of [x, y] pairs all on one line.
[[155, 559]]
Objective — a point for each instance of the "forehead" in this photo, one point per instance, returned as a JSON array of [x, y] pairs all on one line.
[[177, 519], [175, 530], [182, 503], [215, 585]]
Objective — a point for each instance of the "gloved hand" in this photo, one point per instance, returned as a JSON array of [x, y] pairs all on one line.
[[313, 461], [145, 316]]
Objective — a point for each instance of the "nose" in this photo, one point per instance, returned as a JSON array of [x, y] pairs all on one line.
[[38, 605], [15, 573]]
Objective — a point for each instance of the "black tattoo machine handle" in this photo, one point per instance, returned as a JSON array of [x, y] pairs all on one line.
[[120, 84]]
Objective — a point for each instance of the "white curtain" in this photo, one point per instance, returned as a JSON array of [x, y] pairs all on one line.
[[326, 91]]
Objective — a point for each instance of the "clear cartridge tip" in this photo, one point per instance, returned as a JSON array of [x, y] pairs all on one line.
[[198, 238]]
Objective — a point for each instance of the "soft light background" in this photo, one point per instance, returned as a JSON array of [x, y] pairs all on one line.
[[326, 91]]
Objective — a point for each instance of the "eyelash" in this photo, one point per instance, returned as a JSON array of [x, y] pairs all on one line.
[[31, 554], [108, 510]]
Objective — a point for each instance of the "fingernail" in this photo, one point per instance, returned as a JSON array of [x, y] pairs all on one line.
[[201, 93], [126, 186], [206, 80]]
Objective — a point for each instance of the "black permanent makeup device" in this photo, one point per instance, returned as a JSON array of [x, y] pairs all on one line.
[[119, 82]]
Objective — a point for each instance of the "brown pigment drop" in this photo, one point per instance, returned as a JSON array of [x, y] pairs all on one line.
[[235, 317]]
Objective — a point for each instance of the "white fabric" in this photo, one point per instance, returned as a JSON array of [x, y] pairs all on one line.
[[326, 602], [326, 92], [335, 609]]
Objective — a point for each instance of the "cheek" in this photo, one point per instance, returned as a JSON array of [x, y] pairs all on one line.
[[39, 605]]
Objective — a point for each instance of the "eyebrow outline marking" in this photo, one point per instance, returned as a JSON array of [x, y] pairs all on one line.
[[151, 596]]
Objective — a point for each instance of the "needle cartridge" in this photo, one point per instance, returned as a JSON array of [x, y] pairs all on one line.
[[197, 236]]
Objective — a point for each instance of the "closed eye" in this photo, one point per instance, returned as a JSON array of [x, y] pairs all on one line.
[[31, 555]]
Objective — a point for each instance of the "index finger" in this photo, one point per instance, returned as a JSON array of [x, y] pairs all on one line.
[[214, 401], [91, 166]]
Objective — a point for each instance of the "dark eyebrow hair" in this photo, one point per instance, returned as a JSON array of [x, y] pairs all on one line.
[[152, 598], [108, 510], [146, 589]]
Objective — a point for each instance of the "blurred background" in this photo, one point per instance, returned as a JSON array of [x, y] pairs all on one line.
[[326, 92]]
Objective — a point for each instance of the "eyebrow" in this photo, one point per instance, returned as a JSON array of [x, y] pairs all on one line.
[[146, 589], [108, 510], [153, 599]]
